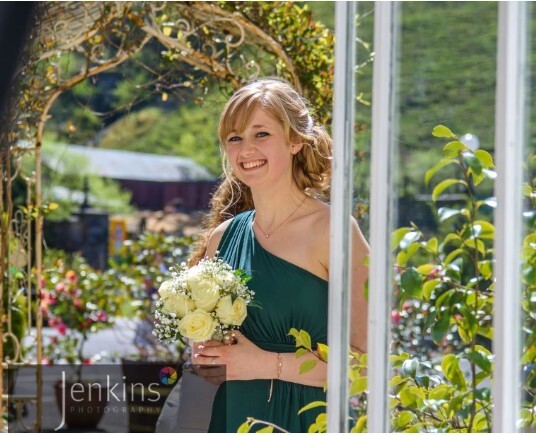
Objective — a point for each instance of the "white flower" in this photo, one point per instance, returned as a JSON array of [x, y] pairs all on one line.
[[166, 288], [178, 304], [205, 291], [232, 313], [198, 326], [225, 279]]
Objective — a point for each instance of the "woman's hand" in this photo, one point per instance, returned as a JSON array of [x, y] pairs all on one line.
[[215, 374], [241, 361]]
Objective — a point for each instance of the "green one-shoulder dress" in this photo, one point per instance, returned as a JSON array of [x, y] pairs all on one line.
[[290, 297]]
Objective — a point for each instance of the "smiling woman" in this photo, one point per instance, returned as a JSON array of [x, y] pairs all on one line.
[[270, 218]]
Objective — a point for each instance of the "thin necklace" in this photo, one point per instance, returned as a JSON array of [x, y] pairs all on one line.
[[268, 235]]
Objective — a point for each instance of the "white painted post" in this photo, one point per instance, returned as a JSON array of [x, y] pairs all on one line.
[[381, 212], [341, 208], [510, 129]]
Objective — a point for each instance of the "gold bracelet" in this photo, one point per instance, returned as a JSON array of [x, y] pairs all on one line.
[[279, 368]]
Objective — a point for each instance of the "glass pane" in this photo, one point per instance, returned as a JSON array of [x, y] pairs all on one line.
[[442, 258]]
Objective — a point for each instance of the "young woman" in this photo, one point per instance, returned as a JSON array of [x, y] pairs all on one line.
[[270, 217]]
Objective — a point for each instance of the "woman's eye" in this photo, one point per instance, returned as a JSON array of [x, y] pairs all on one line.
[[233, 139], [262, 134]]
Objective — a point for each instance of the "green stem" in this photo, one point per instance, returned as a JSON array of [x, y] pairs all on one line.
[[474, 259], [252, 422]]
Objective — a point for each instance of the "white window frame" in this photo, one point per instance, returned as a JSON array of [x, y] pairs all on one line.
[[510, 138]]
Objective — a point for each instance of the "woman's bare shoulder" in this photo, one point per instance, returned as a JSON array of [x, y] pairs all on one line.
[[215, 238], [321, 225]]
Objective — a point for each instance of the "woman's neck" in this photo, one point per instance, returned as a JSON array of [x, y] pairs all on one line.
[[274, 205]]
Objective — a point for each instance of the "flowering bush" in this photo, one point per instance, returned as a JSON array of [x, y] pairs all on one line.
[[76, 301], [202, 302], [72, 301]]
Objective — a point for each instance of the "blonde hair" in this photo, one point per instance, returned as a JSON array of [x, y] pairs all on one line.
[[311, 165]]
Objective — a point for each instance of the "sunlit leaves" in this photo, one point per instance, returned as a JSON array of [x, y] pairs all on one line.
[[410, 282], [445, 184], [451, 369], [442, 131]]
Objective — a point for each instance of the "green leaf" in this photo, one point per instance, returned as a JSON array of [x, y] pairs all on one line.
[[312, 405], [300, 352], [441, 164], [408, 239], [477, 179], [453, 255], [445, 213], [403, 418], [485, 268], [294, 333], [266, 429], [440, 392], [485, 159], [472, 162], [307, 366], [406, 396], [445, 184], [358, 386], [410, 395], [244, 428], [396, 236], [360, 426], [442, 131], [484, 229], [432, 245], [451, 369], [396, 380], [452, 237], [305, 339], [441, 327], [411, 283], [480, 359], [392, 402], [476, 244], [485, 331], [409, 367], [322, 351], [428, 287], [454, 149], [425, 269], [401, 258]]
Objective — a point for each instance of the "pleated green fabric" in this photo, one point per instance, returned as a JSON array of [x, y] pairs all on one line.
[[290, 297]]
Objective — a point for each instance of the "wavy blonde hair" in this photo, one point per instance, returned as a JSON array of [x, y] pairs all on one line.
[[311, 166]]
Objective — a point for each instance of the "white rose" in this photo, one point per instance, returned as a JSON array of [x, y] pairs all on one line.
[[193, 276], [232, 313], [166, 288], [225, 279], [178, 304], [205, 292], [198, 326]]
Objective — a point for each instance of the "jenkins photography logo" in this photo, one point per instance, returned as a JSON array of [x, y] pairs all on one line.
[[125, 397], [168, 376]]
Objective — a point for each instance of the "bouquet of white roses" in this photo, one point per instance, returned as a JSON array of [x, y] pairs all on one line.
[[202, 302]]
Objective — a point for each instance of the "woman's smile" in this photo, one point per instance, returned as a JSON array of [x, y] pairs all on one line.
[[254, 164]]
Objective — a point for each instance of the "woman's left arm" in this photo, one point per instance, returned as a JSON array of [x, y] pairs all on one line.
[[358, 306], [245, 361]]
